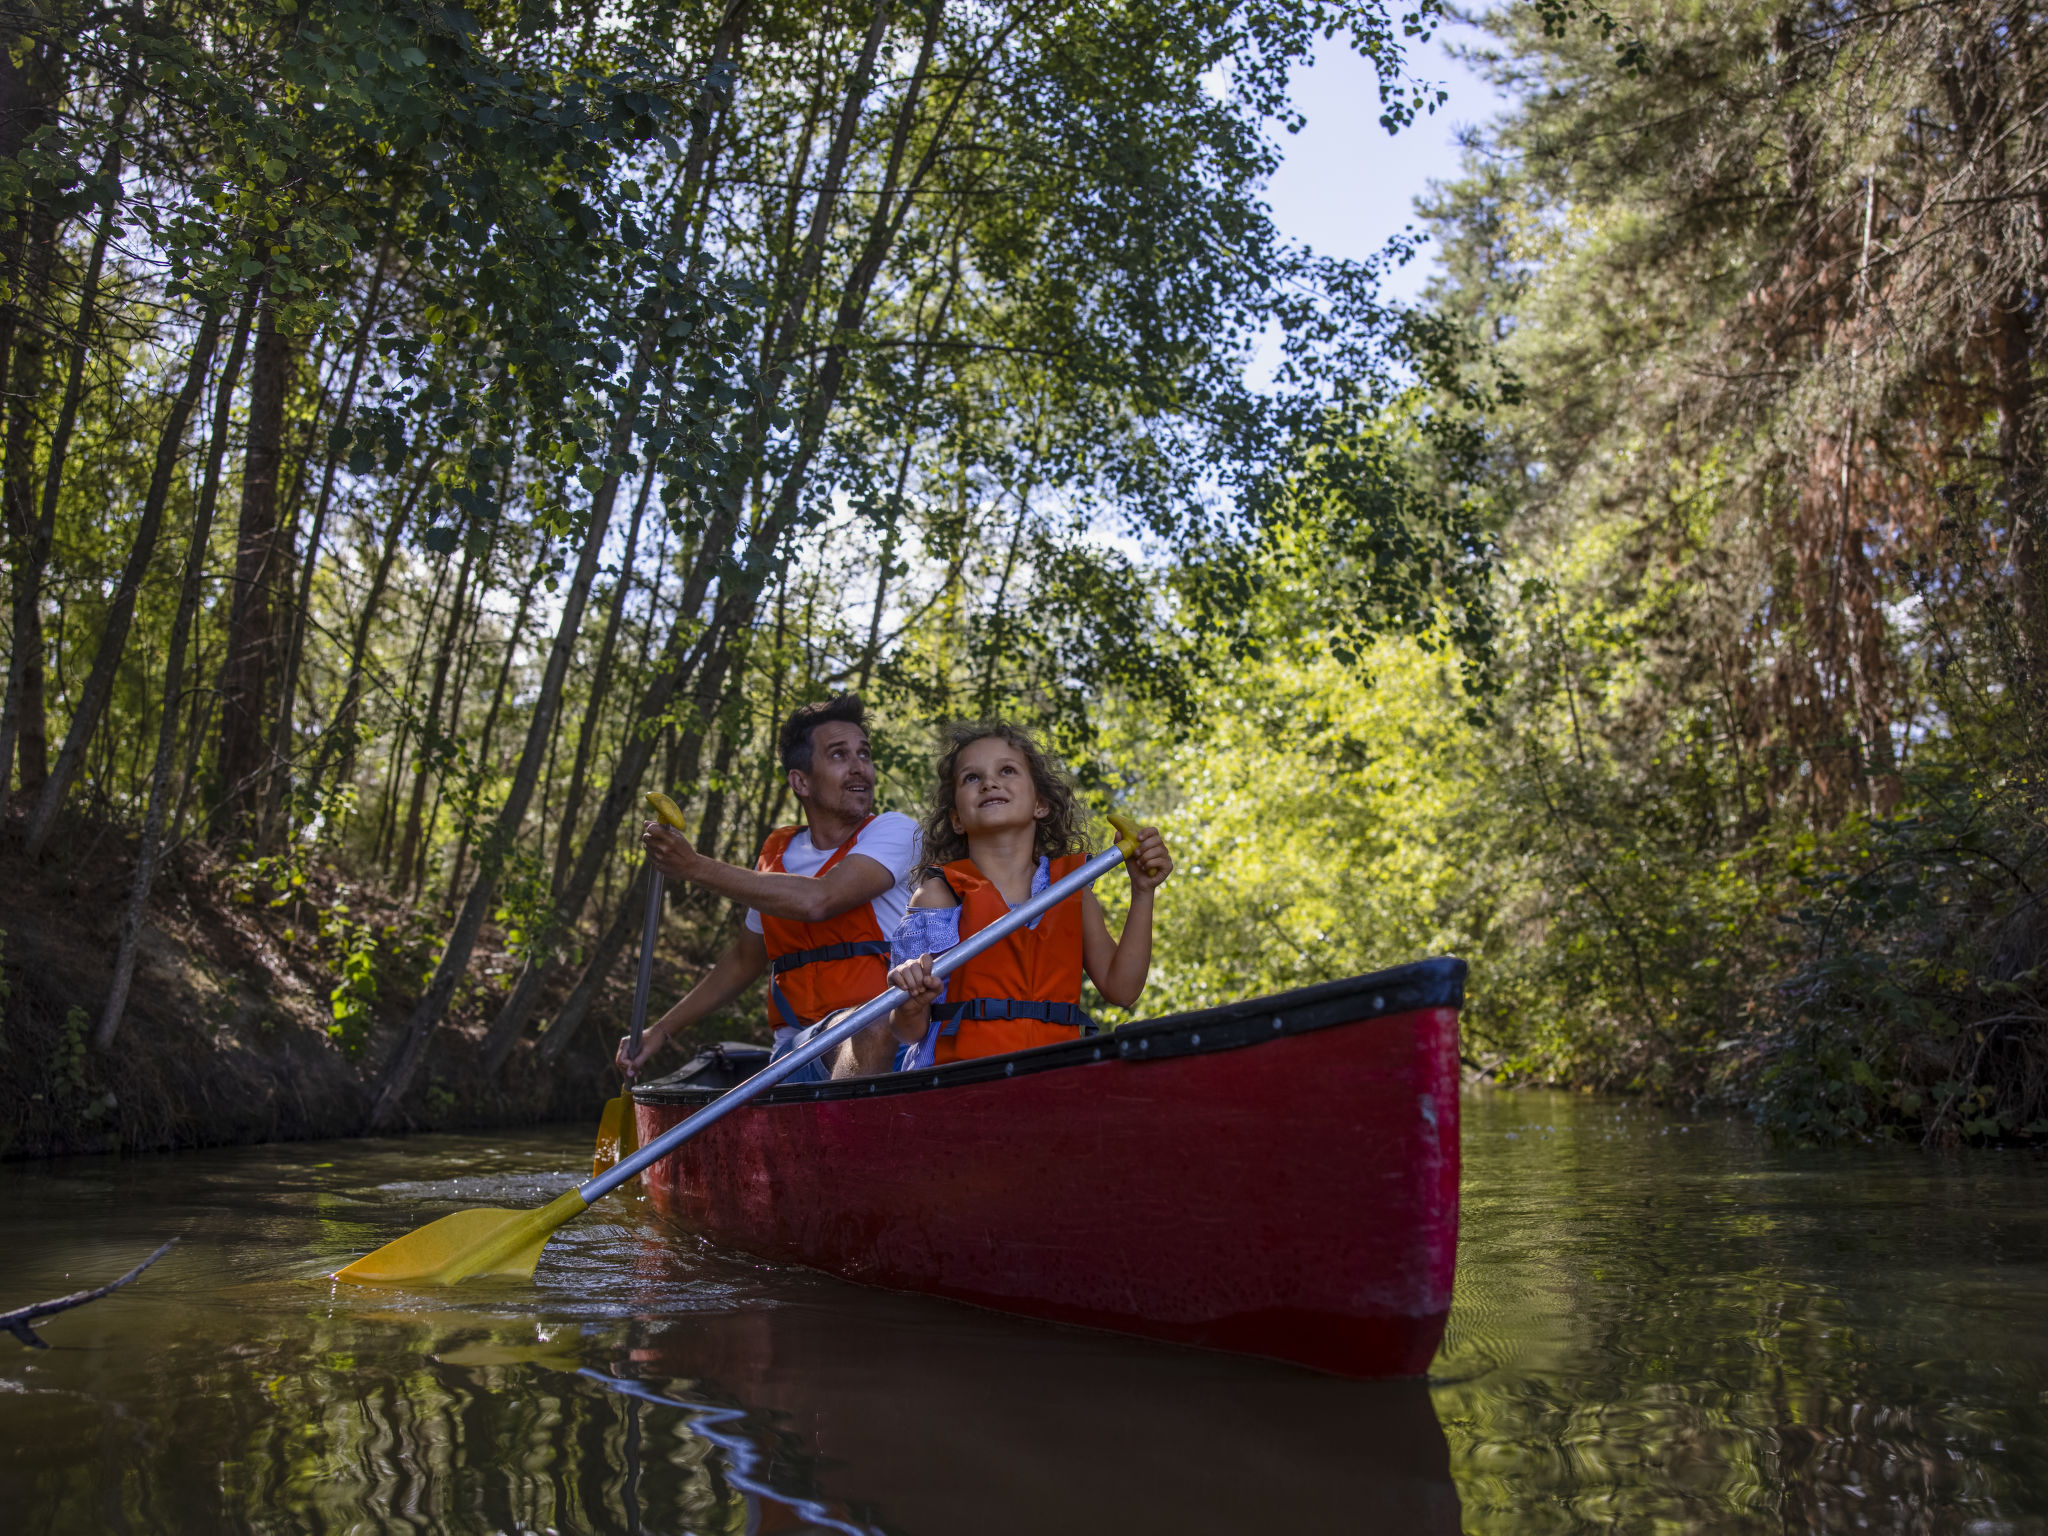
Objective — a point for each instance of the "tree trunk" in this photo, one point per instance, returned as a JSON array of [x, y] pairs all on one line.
[[243, 756], [339, 740], [151, 847], [455, 958], [387, 806], [600, 686], [454, 961], [454, 731], [26, 723], [430, 730], [99, 683], [31, 84], [676, 668], [625, 922], [487, 738], [74, 373], [295, 639]]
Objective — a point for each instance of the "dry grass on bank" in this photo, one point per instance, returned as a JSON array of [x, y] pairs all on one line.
[[231, 1034]]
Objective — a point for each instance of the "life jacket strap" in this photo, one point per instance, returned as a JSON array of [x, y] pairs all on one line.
[[848, 951], [781, 1006], [949, 1015]]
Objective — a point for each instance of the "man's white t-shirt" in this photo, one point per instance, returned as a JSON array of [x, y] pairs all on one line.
[[891, 840]]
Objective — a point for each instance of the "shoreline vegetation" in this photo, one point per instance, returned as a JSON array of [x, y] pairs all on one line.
[[424, 429]]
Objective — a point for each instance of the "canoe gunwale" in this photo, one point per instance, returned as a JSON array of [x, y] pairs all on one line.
[[1434, 983]]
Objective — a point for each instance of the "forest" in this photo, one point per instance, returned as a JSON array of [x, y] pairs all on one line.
[[430, 427]]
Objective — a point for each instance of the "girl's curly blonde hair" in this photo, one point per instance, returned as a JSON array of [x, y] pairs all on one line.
[[1061, 830]]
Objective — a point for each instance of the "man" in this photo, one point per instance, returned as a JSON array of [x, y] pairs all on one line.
[[822, 899]]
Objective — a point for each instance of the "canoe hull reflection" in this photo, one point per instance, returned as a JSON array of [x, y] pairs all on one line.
[[1275, 1178], [909, 1417]]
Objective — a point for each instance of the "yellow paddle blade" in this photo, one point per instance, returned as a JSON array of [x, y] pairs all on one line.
[[629, 1123], [466, 1244], [617, 1112], [618, 1133], [666, 811]]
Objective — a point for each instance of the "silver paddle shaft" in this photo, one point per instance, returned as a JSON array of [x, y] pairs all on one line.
[[851, 1025], [643, 983]]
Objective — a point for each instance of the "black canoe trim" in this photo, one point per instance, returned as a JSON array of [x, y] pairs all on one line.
[[1436, 983]]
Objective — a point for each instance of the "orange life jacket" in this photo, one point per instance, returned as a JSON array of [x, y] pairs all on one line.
[[1022, 992], [816, 968]]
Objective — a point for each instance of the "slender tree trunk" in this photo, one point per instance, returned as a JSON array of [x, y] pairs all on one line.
[[430, 730], [24, 714], [99, 683], [151, 848], [301, 614], [600, 687], [454, 961], [624, 924], [340, 738], [29, 719], [487, 738], [387, 812], [504, 1031], [247, 671], [453, 733], [675, 669]]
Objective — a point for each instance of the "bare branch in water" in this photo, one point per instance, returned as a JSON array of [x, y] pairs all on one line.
[[17, 1322]]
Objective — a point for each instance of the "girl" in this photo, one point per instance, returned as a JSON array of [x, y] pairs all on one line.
[[1004, 825]]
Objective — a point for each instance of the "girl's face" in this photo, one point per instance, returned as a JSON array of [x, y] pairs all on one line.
[[992, 788]]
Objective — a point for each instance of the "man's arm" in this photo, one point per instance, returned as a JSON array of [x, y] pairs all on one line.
[[803, 898], [737, 969]]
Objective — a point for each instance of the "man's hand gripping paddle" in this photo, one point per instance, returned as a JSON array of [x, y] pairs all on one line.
[[618, 1132], [486, 1242]]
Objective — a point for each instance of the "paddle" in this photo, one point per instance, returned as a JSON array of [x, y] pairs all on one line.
[[618, 1129], [490, 1242]]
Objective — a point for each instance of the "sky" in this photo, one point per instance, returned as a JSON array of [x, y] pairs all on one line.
[[1346, 185]]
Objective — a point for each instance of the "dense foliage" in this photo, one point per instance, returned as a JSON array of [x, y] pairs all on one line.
[[429, 427], [1749, 302]]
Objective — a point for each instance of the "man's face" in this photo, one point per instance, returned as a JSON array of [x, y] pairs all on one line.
[[842, 777]]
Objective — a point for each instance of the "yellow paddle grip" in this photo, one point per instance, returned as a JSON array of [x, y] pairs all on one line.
[[1126, 833], [666, 810]]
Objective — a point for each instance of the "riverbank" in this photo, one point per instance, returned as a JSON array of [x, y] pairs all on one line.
[[266, 1001]]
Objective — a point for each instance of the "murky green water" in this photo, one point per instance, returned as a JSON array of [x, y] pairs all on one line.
[[1661, 1325]]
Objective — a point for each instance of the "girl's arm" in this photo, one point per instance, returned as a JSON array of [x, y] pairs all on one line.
[[911, 1019], [1118, 967]]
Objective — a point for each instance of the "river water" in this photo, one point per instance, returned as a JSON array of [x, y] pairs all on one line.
[[1661, 1324]]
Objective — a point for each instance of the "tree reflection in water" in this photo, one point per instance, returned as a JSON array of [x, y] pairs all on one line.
[[1659, 1324]]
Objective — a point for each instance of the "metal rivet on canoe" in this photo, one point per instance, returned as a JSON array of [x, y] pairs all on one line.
[[1010, 1070], [1276, 1021], [1144, 1045], [1098, 1053], [1378, 1003], [1194, 1039], [935, 1081], [1124, 1046]]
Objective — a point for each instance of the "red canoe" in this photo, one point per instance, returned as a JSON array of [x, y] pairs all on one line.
[[1278, 1177]]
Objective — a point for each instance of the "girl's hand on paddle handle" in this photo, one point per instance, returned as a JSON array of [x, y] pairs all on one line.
[[1145, 855], [912, 1016]]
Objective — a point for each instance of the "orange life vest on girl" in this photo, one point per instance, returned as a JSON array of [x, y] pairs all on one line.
[[816, 968], [1022, 992]]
